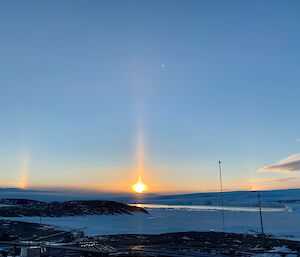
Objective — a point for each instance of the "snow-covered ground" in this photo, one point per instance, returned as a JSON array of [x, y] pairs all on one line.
[[186, 214], [278, 223]]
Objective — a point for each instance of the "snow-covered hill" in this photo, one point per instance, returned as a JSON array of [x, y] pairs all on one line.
[[275, 198]]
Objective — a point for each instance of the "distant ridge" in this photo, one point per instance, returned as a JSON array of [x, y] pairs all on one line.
[[269, 198]]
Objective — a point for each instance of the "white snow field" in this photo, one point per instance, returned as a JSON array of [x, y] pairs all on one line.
[[281, 212], [278, 223]]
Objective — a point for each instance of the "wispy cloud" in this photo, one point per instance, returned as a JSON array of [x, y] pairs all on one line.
[[286, 165], [276, 180], [274, 183]]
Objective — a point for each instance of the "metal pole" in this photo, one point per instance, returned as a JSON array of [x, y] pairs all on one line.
[[41, 234], [222, 198], [260, 214]]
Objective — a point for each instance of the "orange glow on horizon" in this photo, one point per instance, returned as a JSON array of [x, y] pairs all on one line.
[[24, 183]]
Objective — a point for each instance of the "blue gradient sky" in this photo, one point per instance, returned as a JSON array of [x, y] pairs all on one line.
[[201, 81]]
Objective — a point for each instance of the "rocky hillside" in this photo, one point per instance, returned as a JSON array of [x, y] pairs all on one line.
[[28, 208]]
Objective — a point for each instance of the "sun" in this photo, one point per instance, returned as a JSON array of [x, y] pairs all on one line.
[[139, 187]]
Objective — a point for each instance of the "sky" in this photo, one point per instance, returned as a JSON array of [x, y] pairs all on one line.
[[95, 93]]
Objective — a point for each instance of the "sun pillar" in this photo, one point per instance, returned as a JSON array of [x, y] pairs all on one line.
[[25, 170], [139, 186]]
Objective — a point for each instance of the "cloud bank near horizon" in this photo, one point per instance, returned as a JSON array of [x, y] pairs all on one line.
[[286, 165]]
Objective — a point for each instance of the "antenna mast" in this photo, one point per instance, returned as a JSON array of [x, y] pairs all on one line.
[[260, 215], [222, 198]]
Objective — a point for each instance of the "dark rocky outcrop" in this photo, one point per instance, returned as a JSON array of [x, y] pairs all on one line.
[[29, 208]]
